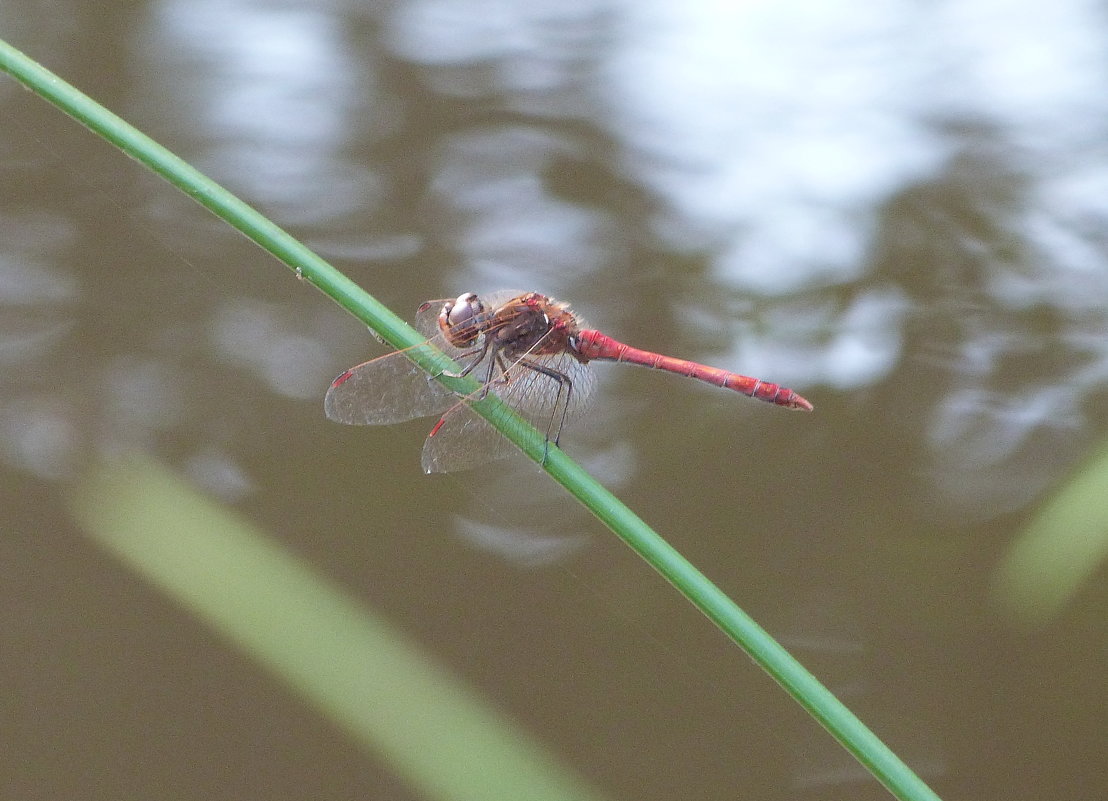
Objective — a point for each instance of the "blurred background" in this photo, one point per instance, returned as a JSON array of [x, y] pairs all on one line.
[[898, 209]]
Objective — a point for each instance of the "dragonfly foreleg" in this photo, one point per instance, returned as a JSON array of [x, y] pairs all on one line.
[[479, 352]]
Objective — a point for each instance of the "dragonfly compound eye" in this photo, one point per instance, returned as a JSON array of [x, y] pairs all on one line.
[[460, 318]]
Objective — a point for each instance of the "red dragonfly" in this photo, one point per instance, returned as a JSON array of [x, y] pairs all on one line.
[[530, 350]]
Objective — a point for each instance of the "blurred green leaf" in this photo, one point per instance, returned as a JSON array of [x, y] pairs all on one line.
[[435, 732], [1060, 549]]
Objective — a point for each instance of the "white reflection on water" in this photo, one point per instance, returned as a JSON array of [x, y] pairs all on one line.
[[781, 127], [32, 242], [771, 129], [37, 434], [276, 89], [494, 205], [275, 346], [535, 48], [39, 437]]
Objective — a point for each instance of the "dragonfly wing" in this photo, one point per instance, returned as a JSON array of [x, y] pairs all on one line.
[[465, 439], [387, 390], [392, 389], [427, 319]]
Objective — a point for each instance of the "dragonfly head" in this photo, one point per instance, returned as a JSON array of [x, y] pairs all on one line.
[[460, 320]]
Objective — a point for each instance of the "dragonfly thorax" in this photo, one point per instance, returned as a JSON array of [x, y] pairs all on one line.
[[532, 325]]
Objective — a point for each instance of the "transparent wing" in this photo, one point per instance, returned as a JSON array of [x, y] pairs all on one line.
[[466, 440], [427, 322], [387, 390], [391, 389]]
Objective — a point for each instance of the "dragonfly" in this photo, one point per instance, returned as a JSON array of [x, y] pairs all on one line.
[[530, 350]]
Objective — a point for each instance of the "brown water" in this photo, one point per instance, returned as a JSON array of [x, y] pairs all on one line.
[[900, 212]]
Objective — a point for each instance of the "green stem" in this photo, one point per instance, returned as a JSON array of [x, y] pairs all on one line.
[[799, 683]]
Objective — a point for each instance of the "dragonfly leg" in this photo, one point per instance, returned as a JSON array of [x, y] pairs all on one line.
[[503, 379], [565, 390], [478, 352]]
